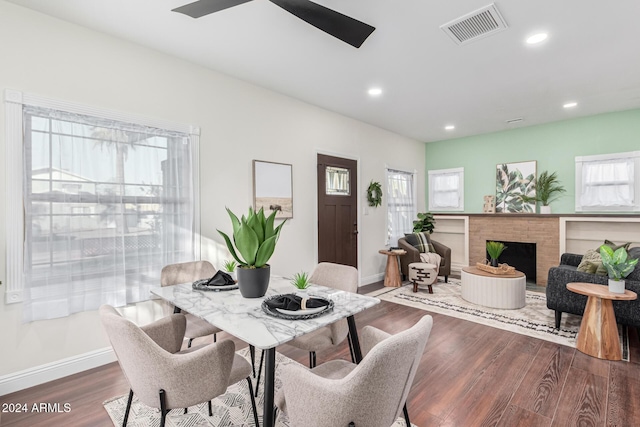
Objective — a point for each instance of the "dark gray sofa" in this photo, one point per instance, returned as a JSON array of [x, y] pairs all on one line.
[[560, 299]]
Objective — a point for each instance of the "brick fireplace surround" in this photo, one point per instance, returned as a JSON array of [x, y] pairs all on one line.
[[542, 230]]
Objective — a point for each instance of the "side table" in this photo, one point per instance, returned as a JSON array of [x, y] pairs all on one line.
[[392, 275], [598, 336]]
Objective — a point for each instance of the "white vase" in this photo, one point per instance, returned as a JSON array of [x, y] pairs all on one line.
[[616, 286], [545, 209], [232, 274]]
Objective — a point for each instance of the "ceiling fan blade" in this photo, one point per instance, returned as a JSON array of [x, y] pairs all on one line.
[[343, 27], [205, 7]]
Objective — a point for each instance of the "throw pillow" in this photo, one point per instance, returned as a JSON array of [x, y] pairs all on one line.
[[420, 241], [589, 267], [591, 256], [614, 246]]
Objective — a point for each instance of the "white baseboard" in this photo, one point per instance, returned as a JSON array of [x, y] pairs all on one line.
[[52, 371], [457, 268], [371, 279]]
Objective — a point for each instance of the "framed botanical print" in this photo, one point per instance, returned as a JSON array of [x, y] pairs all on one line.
[[513, 181]]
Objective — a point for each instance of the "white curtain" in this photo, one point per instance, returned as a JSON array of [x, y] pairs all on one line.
[[445, 188], [608, 183], [107, 205], [401, 204]]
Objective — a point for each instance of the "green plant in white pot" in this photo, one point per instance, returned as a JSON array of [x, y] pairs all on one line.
[[548, 189], [229, 267], [301, 282], [618, 267], [254, 238]]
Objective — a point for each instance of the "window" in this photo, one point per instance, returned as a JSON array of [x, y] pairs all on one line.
[[446, 190], [608, 182], [401, 204], [107, 203]]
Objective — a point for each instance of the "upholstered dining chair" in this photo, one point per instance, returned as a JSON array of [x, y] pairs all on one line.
[[371, 394], [337, 276], [164, 377], [187, 272]]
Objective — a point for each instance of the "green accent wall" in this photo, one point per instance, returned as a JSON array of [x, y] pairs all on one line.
[[553, 146]]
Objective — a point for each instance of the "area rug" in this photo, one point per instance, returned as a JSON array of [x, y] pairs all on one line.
[[534, 320], [233, 409]]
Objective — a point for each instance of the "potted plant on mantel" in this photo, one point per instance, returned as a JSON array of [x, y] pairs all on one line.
[[618, 267], [255, 239], [548, 189]]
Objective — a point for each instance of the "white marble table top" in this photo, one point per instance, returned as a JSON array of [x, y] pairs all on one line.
[[245, 319]]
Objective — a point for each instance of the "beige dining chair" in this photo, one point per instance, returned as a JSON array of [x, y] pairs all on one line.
[[370, 394], [188, 272], [337, 276], [163, 377]]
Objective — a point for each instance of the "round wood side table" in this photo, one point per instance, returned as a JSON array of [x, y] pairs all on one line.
[[598, 336], [392, 275]]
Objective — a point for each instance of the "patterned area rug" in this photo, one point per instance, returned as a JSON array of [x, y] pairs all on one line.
[[233, 409], [534, 320]]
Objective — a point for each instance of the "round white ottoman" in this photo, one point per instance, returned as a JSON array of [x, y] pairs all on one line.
[[423, 274]]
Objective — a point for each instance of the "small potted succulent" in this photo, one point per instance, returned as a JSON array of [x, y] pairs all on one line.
[[229, 267], [495, 249], [254, 240], [301, 282], [618, 267]]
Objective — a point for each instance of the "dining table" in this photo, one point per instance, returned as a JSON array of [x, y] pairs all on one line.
[[244, 318]]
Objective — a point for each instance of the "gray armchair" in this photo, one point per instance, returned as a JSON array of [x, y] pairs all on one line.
[[164, 379], [413, 255], [371, 394]]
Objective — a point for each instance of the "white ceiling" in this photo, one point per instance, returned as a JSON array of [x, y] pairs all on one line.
[[592, 56]]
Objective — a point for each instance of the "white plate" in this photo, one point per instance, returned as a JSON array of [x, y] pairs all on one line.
[[301, 312]]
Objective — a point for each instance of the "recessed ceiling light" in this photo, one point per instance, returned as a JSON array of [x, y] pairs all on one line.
[[570, 104], [537, 38], [375, 91], [449, 127]]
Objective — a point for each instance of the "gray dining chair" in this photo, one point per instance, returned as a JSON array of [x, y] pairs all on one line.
[[337, 276], [188, 272], [162, 376], [370, 394]]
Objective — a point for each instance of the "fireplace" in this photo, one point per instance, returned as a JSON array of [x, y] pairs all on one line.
[[520, 255]]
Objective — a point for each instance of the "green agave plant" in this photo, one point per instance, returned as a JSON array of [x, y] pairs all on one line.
[[254, 237], [301, 280], [495, 249], [229, 265], [617, 265]]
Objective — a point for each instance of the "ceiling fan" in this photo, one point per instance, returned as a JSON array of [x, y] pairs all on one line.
[[343, 27]]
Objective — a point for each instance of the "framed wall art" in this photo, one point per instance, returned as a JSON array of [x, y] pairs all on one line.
[[273, 188], [513, 181]]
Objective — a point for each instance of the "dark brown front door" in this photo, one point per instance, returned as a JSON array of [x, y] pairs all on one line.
[[337, 210]]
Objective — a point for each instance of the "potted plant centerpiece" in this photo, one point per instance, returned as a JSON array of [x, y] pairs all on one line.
[[255, 238], [618, 267], [495, 249], [548, 189], [230, 268]]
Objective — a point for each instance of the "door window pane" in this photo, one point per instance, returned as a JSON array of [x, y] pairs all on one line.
[[337, 181]]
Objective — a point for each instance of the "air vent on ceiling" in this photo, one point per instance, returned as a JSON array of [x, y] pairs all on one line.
[[515, 121], [475, 25]]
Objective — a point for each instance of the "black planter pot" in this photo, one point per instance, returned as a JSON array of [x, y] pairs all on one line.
[[253, 282], [494, 262]]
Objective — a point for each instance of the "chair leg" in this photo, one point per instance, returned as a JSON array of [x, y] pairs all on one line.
[[253, 402], [446, 279], [259, 372], [210, 409], [215, 338], [163, 408], [189, 343], [312, 359], [126, 412], [185, 410], [558, 318], [252, 353], [406, 414], [430, 289]]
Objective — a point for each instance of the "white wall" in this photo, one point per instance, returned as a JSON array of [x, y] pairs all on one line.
[[240, 122]]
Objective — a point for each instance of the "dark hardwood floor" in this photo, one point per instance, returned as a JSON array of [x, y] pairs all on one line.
[[470, 375]]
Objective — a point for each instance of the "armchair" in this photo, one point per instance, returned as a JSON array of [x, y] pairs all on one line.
[[413, 255]]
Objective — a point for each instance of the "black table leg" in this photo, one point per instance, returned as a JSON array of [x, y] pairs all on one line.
[[269, 384], [353, 333]]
